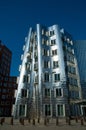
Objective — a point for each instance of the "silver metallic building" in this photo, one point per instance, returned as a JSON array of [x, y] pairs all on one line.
[[49, 82]]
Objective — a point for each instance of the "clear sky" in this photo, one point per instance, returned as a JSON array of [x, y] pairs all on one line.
[[16, 16]]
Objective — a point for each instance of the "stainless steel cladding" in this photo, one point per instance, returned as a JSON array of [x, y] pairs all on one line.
[[49, 82]]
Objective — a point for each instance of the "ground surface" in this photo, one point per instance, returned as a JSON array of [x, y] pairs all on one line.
[[50, 126]]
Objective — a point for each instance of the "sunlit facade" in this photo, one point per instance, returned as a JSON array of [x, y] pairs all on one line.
[[49, 82]]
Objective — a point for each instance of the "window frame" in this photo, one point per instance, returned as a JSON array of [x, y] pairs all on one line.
[[62, 112], [55, 64], [56, 77]]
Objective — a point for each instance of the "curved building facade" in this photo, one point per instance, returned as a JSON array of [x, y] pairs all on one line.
[[49, 82]]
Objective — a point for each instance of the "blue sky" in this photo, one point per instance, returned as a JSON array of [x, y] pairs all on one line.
[[16, 16]]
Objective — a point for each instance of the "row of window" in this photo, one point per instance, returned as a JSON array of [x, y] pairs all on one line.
[[51, 42], [47, 110], [46, 64], [45, 52], [68, 49], [8, 79], [46, 78], [70, 58], [60, 110], [58, 92], [6, 57], [7, 84], [5, 111], [74, 94], [71, 69], [56, 77], [4, 72], [26, 79], [67, 40], [48, 33], [73, 81], [5, 103], [6, 90]]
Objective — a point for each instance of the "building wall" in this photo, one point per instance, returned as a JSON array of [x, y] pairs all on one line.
[[49, 81], [7, 83], [80, 50]]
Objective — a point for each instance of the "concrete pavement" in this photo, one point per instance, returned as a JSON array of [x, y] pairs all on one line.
[[40, 126]]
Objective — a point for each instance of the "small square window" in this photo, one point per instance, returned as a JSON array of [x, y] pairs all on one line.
[[58, 92], [47, 92], [46, 64], [23, 93], [55, 64], [54, 52], [52, 33], [56, 77], [45, 52], [53, 42], [46, 77]]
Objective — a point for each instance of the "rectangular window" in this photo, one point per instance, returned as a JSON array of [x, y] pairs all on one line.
[[47, 110], [58, 92], [23, 93], [26, 79], [46, 77], [45, 41], [73, 70], [52, 33], [72, 94], [27, 66], [36, 66], [75, 82], [3, 96], [46, 64], [77, 95], [4, 90], [55, 64], [60, 110], [45, 52], [36, 54], [43, 31], [47, 92], [5, 84], [54, 52], [53, 42], [36, 79], [56, 77], [22, 110], [70, 58]]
